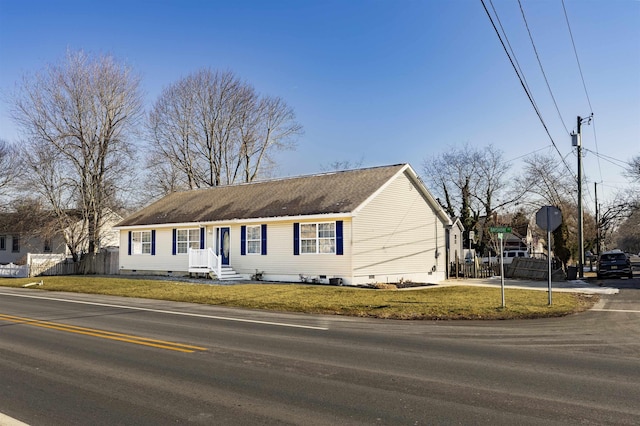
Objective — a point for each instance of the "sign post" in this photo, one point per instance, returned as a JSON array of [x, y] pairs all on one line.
[[549, 218], [500, 230]]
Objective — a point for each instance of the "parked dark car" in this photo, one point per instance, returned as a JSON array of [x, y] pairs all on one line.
[[614, 263]]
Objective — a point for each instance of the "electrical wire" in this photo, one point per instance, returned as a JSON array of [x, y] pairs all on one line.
[[529, 153], [524, 87], [620, 163], [584, 85], [576, 54], [526, 24], [513, 54]]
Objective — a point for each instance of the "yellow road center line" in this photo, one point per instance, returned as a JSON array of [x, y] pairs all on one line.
[[103, 332], [162, 344]]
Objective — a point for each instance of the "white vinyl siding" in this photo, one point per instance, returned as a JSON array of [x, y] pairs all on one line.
[[397, 235], [282, 262], [163, 260]]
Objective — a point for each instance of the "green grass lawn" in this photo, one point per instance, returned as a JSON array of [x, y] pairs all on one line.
[[430, 303]]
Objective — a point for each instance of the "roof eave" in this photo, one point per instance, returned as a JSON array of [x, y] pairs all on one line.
[[313, 217]]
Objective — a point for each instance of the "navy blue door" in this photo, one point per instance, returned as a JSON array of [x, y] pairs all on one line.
[[225, 244]]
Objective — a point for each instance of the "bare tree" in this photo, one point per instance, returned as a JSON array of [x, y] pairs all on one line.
[[211, 129], [548, 183], [10, 166], [627, 235], [342, 165], [614, 214], [76, 118], [469, 181], [55, 188], [633, 169]]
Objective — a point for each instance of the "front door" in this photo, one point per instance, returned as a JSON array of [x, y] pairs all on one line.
[[225, 244]]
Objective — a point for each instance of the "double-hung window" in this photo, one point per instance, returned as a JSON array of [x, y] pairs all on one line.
[[3, 242], [141, 242], [318, 238], [186, 239], [15, 244], [254, 239]]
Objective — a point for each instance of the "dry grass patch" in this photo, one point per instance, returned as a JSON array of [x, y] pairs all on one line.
[[442, 303]]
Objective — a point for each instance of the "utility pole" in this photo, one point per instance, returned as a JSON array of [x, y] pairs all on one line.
[[580, 216], [595, 190], [577, 142]]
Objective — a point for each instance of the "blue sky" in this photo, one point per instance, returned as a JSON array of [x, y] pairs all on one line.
[[378, 81]]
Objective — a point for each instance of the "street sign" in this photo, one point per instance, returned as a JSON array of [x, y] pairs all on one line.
[[549, 218], [500, 229]]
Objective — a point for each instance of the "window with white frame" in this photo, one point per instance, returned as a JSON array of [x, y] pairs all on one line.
[[141, 242], [186, 239], [254, 239], [318, 238], [3, 242], [15, 243]]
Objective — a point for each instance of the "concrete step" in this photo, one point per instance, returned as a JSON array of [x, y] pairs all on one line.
[[228, 274]]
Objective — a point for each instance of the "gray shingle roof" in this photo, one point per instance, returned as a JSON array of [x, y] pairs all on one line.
[[334, 192]]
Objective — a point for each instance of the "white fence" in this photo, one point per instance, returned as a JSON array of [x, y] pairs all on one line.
[[104, 263], [14, 271], [44, 264]]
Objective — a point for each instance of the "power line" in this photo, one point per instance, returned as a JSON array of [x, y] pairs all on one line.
[[513, 54], [524, 87], [529, 153], [584, 85], [620, 163], [576, 54], [541, 68]]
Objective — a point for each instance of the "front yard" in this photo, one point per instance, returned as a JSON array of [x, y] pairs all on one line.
[[434, 303]]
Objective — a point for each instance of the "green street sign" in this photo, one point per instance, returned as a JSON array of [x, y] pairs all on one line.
[[500, 229]]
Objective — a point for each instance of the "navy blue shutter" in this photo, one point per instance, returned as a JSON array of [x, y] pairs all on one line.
[[243, 240], [339, 243], [153, 242], [201, 238], [296, 239], [263, 236], [129, 252], [174, 243]]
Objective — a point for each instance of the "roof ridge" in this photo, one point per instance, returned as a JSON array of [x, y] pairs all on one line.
[[285, 178]]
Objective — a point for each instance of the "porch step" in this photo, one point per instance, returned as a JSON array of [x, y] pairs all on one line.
[[228, 274]]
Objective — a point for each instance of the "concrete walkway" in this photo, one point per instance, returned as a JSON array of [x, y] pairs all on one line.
[[575, 286]]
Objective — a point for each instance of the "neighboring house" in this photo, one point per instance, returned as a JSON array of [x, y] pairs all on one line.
[[15, 245], [514, 241], [37, 232], [360, 226], [456, 243]]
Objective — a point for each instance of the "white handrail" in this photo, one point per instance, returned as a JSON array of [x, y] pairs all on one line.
[[215, 263], [205, 259]]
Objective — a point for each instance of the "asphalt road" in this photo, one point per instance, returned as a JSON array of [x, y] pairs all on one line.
[[109, 360]]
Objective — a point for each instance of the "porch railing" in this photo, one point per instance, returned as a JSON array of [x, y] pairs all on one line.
[[205, 260]]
